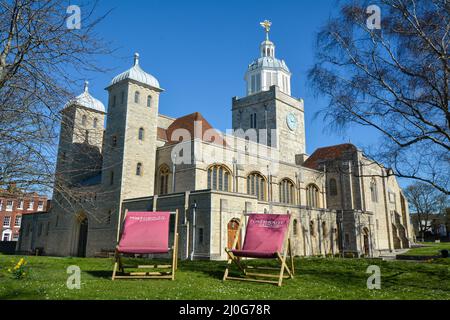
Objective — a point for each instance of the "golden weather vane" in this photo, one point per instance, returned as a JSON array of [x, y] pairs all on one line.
[[266, 24]]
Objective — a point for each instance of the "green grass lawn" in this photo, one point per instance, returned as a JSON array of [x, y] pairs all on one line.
[[316, 278], [429, 249]]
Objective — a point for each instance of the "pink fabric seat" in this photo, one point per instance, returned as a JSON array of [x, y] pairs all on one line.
[[264, 236], [145, 232]]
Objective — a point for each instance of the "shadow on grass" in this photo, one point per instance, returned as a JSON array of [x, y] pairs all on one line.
[[210, 268], [103, 274], [342, 273]]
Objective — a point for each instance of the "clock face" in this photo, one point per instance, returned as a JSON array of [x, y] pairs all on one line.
[[292, 121]]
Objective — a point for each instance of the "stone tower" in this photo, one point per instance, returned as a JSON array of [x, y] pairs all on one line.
[[130, 143], [269, 104], [81, 139]]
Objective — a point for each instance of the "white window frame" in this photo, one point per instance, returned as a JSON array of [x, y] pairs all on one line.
[[30, 205], [20, 204], [9, 205], [20, 221], [41, 206], [7, 218]]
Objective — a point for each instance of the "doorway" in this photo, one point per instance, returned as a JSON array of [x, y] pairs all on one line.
[[233, 227], [82, 238], [366, 242], [6, 235]]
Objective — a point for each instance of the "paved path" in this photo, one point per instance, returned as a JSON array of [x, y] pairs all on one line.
[[392, 255]]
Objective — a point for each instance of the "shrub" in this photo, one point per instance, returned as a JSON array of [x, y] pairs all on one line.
[[19, 270]]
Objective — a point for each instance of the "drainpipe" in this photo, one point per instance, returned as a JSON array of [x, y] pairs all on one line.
[[174, 166], [235, 175], [267, 127], [194, 226], [319, 230], [269, 189], [370, 238], [341, 233]]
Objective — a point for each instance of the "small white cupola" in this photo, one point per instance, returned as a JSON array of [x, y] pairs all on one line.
[[87, 101], [267, 49], [137, 74], [267, 70]]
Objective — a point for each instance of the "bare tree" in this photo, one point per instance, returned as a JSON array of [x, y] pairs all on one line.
[[42, 58], [394, 80], [427, 203]]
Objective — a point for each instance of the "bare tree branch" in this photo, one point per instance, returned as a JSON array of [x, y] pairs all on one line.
[[394, 80]]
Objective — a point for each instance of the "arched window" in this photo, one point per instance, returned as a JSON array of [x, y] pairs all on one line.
[[333, 187], [114, 141], [312, 196], [83, 120], [253, 121], [108, 216], [95, 122], [164, 179], [149, 101], [256, 185], [86, 136], [373, 190], [141, 134], [114, 101], [287, 191], [324, 230], [295, 227], [137, 95], [139, 169], [219, 178], [312, 231]]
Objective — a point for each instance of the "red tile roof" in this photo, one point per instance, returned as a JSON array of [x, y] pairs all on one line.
[[161, 134], [328, 153], [189, 123]]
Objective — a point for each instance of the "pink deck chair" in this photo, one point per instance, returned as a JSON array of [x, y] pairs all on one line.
[[146, 233], [266, 237]]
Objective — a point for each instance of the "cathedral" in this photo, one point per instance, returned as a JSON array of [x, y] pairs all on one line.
[[341, 202]]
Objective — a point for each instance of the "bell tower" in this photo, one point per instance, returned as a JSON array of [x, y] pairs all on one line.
[[269, 105], [81, 139], [130, 143]]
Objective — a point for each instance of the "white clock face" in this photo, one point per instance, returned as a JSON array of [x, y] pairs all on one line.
[[292, 121]]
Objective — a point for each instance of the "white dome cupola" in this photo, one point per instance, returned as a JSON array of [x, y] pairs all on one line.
[[267, 49], [87, 101], [267, 70], [137, 74]]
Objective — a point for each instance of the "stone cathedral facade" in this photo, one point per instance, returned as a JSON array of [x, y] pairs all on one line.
[[341, 201]]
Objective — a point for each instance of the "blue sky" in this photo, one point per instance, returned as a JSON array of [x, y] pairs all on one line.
[[199, 52]]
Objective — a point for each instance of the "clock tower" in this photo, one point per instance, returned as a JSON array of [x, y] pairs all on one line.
[[269, 108]]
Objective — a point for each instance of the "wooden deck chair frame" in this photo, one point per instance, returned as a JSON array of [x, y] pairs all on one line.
[[256, 277], [155, 274]]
